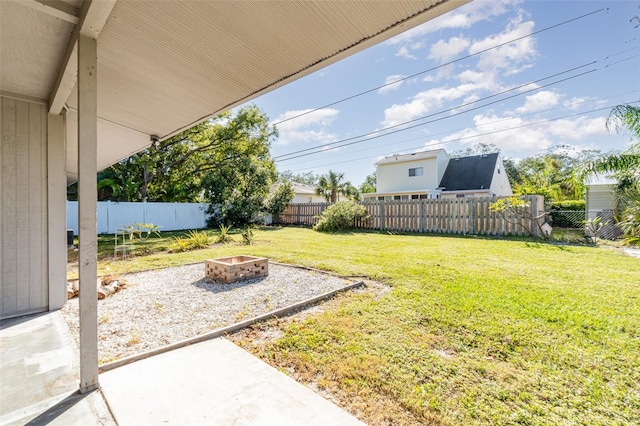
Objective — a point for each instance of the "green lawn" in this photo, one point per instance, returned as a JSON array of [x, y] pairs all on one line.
[[474, 331]]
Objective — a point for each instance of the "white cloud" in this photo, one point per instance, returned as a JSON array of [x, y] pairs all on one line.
[[443, 51], [513, 57], [391, 85], [539, 101], [308, 128], [428, 100], [403, 52], [517, 137], [462, 17]]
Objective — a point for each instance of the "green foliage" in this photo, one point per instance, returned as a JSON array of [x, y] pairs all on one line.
[[194, 240], [248, 236], [140, 233], [369, 184], [199, 239], [340, 216], [559, 219], [476, 149], [175, 169], [625, 118], [224, 237], [332, 184], [551, 174], [181, 244], [307, 178], [571, 205], [594, 228], [280, 198]]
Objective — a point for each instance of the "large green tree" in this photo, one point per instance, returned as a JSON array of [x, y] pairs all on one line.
[[369, 184], [175, 169]]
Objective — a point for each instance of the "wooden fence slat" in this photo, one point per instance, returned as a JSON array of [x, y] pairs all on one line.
[[448, 215]]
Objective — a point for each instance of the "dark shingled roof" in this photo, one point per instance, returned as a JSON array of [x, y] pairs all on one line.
[[466, 173]]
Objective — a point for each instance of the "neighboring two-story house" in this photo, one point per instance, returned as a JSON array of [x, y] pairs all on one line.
[[433, 174]]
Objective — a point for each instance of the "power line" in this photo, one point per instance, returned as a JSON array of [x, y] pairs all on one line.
[[396, 143], [471, 136], [440, 66], [334, 145]]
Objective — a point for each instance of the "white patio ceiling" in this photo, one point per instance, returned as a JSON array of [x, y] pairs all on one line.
[[166, 65]]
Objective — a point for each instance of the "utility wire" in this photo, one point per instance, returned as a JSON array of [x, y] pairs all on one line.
[[462, 58], [340, 143], [470, 137], [396, 143]]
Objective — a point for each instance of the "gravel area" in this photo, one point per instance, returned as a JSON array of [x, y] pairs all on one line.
[[166, 306]]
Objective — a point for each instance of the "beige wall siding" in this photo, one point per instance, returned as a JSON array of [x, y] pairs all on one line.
[[23, 210], [600, 197]]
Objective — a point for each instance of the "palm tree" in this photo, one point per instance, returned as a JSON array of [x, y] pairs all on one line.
[[621, 118], [331, 184], [626, 168]]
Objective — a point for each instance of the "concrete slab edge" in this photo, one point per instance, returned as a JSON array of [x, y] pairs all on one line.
[[228, 329]]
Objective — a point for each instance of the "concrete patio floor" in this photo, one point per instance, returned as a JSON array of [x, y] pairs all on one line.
[[212, 382], [39, 375]]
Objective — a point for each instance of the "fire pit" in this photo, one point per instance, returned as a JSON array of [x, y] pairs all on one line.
[[236, 268]]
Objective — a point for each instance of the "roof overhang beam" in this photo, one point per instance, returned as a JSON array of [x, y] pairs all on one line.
[[55, 8], [93, 16]]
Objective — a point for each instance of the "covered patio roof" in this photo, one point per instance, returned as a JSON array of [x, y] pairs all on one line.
[[167, 65]]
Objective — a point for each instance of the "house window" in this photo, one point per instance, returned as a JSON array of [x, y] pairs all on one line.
[[423, 196], [459, 195], [416, 171], [414, 196], [380, 198], [396, 197]]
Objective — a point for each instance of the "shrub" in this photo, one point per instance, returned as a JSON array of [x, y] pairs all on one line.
[[180, 244], [280, 198], [224, 236], [570, 205], [199, 239], [248, 236], [341, 216]]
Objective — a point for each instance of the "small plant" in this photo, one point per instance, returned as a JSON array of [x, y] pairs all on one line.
[[341, 216], [181, 244], [248, 236], [140, 232], [199, 239], [224, 236], [593, 229]]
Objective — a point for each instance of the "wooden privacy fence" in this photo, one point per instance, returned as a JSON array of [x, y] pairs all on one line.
[[445, 215]]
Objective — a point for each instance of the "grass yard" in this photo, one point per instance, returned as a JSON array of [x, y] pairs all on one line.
[[474, 331]]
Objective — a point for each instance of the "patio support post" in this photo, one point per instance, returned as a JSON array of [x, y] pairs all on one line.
[[57, 209], [87, 211]]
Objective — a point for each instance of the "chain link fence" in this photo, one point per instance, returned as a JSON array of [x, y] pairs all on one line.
[[598, 223]]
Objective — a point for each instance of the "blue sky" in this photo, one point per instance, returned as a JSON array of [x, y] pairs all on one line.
[[542, 111]]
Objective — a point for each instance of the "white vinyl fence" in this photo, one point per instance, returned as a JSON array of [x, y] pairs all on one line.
[[170, 216]]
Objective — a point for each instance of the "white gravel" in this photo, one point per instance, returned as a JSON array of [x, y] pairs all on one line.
[[169, 305]]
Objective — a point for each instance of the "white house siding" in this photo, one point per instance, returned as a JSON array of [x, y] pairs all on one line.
[[600, 197], [307, 198], [395, 177], [500, 185], [23, 208]]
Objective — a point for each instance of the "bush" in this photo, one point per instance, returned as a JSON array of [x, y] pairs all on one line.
[[224, 236], [570, 205], [280, 198], [560, 219], [341, 216]]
